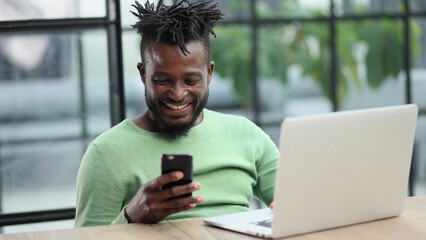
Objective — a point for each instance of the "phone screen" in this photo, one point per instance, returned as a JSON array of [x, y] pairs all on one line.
[[177, 162]]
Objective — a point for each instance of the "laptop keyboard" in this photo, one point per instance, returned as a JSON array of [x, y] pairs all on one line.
[[263, 223]]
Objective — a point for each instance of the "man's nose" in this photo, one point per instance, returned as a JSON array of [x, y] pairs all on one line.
[[178, 92]]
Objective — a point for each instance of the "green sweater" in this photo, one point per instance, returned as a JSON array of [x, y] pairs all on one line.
[[233, 160]]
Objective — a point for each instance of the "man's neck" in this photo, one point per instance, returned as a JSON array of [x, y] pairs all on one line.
[[145, 122]]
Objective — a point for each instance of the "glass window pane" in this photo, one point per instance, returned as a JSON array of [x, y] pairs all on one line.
[[418, 49], [294, 72], [350, 7], [133, 86], [417, 5], [96, 81], [418, 89], [50, 9], [237, 9], [127, 18], [371, 63], [53, 102], [230, 88], [292, 8]]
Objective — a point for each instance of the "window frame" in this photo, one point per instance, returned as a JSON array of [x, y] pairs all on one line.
[[112, 24]]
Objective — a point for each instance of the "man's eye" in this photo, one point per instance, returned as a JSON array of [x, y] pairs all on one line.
[[161, 82], [191, 81]]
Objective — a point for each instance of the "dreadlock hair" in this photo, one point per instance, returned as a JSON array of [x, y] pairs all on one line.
[[178, 24]]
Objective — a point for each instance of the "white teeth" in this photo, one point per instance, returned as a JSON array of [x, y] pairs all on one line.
[[176, 107]]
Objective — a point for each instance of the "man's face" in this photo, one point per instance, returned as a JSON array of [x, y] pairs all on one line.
[[176, 86]]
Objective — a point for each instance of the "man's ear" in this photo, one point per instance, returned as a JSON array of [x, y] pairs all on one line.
[[141, 69], [210, 72]]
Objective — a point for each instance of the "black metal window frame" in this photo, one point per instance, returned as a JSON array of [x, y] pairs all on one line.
[[255, 22], [112, 23]]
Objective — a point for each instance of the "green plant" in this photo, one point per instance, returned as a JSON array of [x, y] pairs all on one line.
[[307, 45]]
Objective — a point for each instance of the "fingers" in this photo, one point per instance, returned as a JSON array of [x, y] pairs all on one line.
[[171, 203], [159, 182], [271, 206], [179, 190], [156, 186], [181, 204]]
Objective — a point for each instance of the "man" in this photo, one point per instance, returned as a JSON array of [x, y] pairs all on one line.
[[119, 180]]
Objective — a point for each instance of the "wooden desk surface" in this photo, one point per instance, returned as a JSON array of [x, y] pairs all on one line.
[[410, 225]]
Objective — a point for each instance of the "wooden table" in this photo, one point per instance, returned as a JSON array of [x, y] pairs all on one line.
[[410, 225]]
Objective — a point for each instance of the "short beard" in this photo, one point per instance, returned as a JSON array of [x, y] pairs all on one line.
[[174, 130]]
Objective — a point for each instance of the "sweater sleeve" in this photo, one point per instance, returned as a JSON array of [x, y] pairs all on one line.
[[266, 169], [99, 195]]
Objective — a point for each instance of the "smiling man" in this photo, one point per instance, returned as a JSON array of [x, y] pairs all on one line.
[[176, 87], [120, 180]]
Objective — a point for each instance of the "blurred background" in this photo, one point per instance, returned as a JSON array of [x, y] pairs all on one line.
[[68, 73]]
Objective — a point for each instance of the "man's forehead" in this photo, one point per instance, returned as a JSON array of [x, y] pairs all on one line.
[[159, 52], [153, 56]]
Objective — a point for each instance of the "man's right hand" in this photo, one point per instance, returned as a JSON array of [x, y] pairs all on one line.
[[152, 204]]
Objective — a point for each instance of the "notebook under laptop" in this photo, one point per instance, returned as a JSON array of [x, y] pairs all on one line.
[[335, 169]]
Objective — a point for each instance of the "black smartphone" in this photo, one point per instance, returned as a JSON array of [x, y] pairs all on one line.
[[177, 162]]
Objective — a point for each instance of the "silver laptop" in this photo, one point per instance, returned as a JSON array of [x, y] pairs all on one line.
[[335, 169]]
